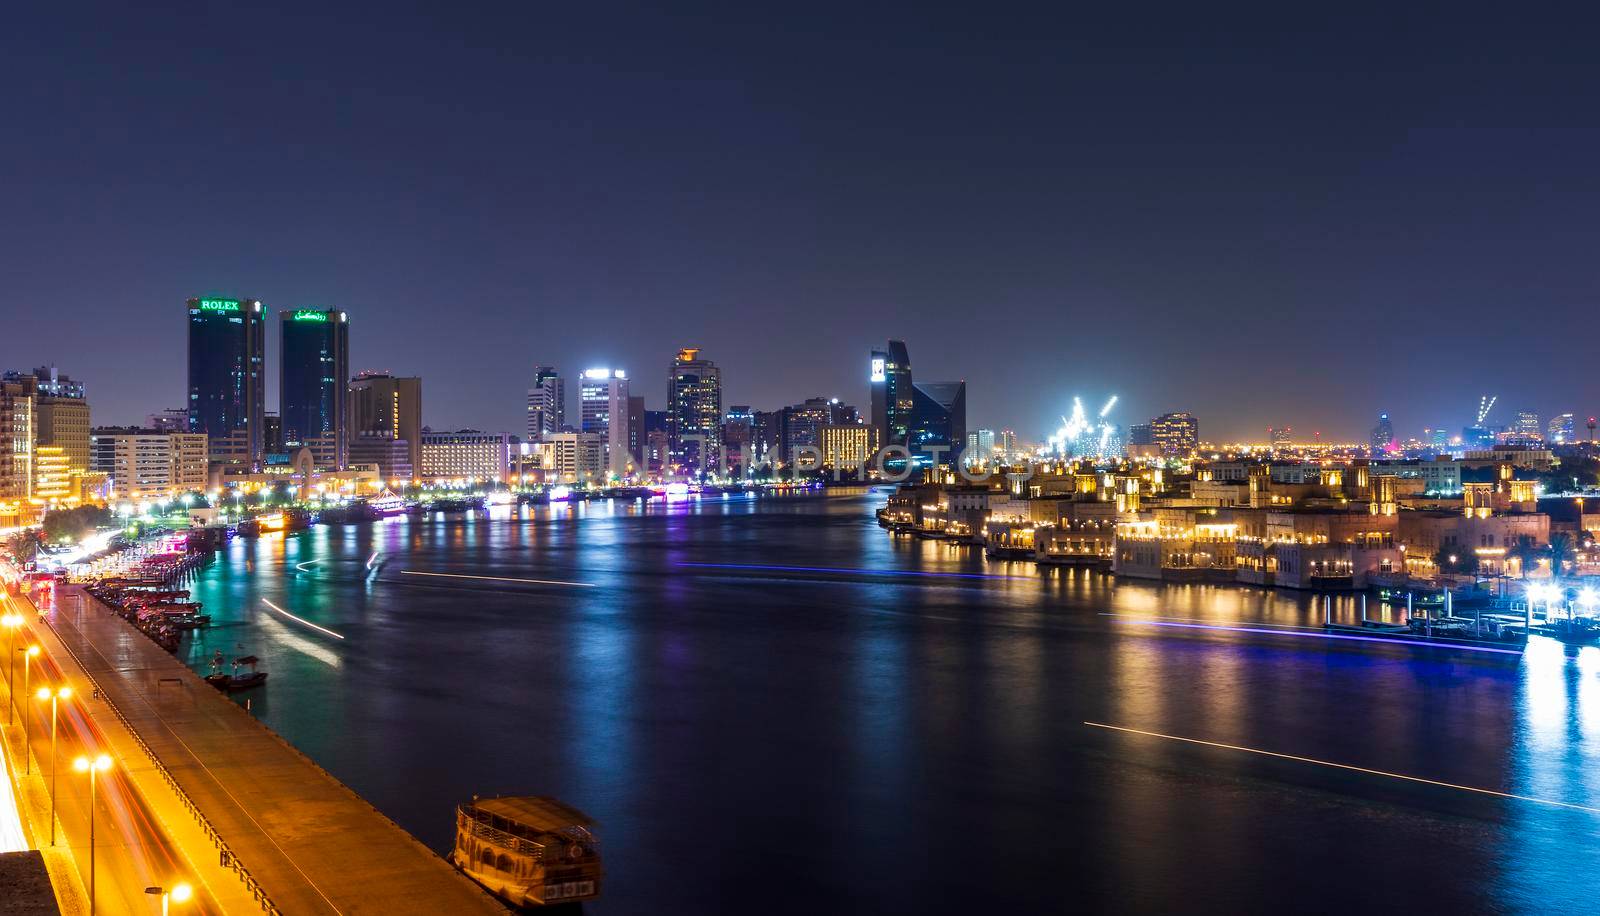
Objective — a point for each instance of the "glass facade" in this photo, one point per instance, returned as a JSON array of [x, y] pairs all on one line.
[[314, 364], [227, 365]]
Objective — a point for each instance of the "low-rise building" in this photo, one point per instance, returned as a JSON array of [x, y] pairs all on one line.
[[467, 455], [148, 464]]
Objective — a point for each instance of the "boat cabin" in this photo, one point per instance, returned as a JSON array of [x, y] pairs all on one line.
[[528, 850]]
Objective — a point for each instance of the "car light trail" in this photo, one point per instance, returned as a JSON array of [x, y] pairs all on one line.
[[1351, 637], [301, 620], [850, 570], [416, 572], [372, 559], [1343, 766], [11, 836], [302, 566]]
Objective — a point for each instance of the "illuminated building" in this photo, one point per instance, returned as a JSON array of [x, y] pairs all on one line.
[[469, 455], [636, 430], [893, 401], [1080, 437], [1176, 434], [148, 464], [52, 476], [63, 421], [1560, 429], [738, 446], [227, 377], [574, 458], [1527, 426], [547, 403], [979, 447], [800, 431], [655, 441], [694, 413], [314, 362], [392, 457], [391, 407], [1008, 446], [16, 442], [603, 403], [848, 446]]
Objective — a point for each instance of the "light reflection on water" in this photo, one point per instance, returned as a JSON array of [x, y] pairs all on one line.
[[902, 743]]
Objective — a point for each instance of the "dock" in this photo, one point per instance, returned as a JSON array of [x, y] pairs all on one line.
[[302, 841]]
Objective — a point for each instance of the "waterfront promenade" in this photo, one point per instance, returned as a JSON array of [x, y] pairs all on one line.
[[309, 843]]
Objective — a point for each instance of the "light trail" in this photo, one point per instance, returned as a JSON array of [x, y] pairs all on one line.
[[1344, 766], [372, 559], [302, 620], [302, 566], [295, 641], [417, 572], [850, 570], [12, 839], [1351, 637], [1135, 618]]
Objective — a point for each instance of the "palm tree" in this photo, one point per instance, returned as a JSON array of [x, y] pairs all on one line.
[[1526, 550], [1561, 552]]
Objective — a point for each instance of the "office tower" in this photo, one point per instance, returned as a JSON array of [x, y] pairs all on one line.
[[656, 451], [938, 425], [694, 413], [547, 403], [1382, 440], [800, 432], [1008, 445], [272, 440], [603, 409], [636, 433], [1140, 434], [1560, 429], [227, 377], [979, 448], [149, 464], [389, 407], [738, 450], [1176, 434], [314, 362], [893, 399], [17, 394]]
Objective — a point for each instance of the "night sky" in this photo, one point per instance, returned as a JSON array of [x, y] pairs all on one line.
[[1262, 217]]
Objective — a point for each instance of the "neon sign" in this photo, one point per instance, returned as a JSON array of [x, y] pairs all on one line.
[[310, 315], [219, 305]]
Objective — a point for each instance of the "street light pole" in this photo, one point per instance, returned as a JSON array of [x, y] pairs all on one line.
[[28, 655], [11, 621], [60, 693], [99, 765]]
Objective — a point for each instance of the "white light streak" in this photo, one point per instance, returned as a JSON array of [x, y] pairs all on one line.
[[302, 620], [415, 572]]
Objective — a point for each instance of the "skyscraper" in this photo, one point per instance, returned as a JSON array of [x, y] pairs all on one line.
[[61, 416], [938, 426], [1560, 429], [694, 413], [384, 407], [313, 364], [1527, 426], [603, 406], [892, 397], [227, 377], [547, 403], [1382, 436]]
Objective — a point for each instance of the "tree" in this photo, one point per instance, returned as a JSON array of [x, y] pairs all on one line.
[[24, 546], [1526, 551], [1561, 552]]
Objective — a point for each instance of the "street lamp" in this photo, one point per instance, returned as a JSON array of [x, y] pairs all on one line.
[[11, 622], [93, 767], [28, 655], [60, 693], [179, 893]]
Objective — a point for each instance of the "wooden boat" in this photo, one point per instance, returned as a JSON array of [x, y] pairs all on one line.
[[528, 850], [233, 681]]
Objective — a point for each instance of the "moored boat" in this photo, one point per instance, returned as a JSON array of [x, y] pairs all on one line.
[[528, 850]]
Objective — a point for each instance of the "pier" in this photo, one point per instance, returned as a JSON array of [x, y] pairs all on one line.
[[265, 828]]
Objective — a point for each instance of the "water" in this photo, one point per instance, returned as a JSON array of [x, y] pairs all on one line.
[[813, 740]]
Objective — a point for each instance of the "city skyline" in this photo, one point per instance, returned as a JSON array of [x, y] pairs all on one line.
[[550, 212]]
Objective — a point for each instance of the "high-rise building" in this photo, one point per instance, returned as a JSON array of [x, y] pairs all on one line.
[[603, 403], [1527, 426], [979, 448], [800, 432], [738, 449], [314, 362], [149, 464], [227, 377], [938, 422], [694, 413], [52, 484], [574, 458], [60, 416], [1382, 440], [1560, 430], [655, 441], [17, 396], [1176, 434], [636, 431], [1008, 446], [893, 400], [848, 446], [1140, 434], [389, 407], [547, 403]]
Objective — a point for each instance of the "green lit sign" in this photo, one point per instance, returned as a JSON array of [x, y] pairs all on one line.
[[219, 305], [310, 315]]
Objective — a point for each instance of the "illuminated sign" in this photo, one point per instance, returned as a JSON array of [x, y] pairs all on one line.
[[219, 305], [877, 369], [310, 315]]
